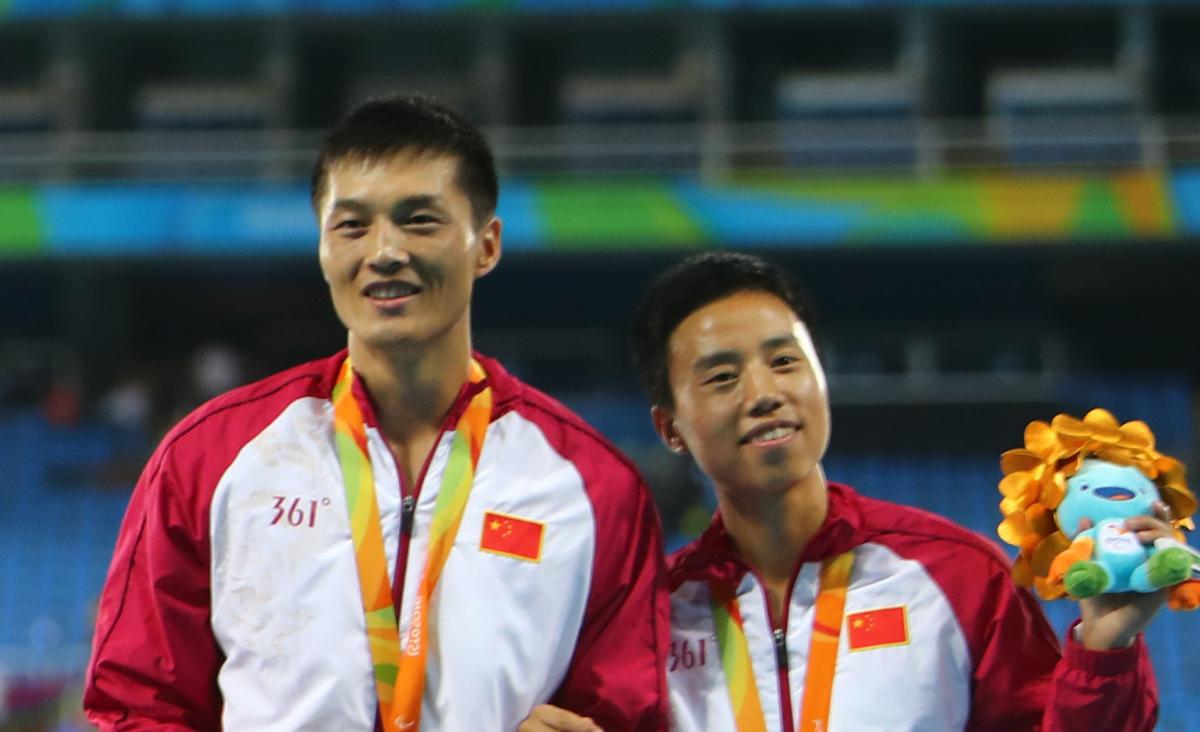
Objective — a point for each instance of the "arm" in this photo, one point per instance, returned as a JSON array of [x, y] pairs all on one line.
[[1106, 666], [1015, 656], [617, 674], [1021, 682], [1103, 681], [1109, 689], [154, 659]]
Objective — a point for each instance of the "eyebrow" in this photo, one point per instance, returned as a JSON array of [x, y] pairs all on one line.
[[778, 342], [725, 358], [406, 206], [349, 204], [400, 210], [718, 358]]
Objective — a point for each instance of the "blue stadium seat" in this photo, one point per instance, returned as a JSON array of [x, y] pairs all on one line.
[[55, 542]]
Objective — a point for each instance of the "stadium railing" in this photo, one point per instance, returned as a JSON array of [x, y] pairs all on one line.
[[918, 146]]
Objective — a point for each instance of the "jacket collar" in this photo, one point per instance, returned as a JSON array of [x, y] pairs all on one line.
[[506, 389], [713, 556]]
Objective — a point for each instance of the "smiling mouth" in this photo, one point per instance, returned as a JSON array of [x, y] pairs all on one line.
[[771, 434], [391, 291], [1114, 493]]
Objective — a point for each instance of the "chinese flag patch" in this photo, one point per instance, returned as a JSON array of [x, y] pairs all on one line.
[[512, 536], [887, 626]]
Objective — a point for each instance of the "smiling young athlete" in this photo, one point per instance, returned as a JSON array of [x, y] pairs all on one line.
[[402, 536], [806, 606]]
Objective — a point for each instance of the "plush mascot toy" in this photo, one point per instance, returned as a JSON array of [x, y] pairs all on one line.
[[1066, 497]]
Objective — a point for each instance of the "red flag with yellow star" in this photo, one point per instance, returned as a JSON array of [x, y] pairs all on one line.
[[512, 536], [887, 626]]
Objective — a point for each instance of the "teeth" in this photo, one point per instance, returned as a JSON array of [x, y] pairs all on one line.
[[390, 290], [777, 433]]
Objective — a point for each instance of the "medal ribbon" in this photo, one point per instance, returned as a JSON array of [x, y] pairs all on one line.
[[400, 668], [828, 613], [735, 659]]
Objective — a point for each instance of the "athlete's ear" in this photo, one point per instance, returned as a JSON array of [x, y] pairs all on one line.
[[664, 425], [489, 247]]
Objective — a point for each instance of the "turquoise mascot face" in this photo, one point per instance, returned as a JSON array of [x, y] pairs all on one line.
[[1103, 490]]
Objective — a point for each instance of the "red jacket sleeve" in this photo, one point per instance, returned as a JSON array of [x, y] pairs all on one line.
[[1021, 680], [617, 675], [154, 659], [1111, 690]]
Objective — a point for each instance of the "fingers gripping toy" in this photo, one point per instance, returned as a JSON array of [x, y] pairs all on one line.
[[1067, 495]]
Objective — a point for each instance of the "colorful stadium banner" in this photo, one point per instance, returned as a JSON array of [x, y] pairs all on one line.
[[624, 213], [20, 232], [1185, 192]]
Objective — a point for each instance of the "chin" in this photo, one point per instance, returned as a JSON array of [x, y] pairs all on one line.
[[777, 458], [389, 339], [785, 474]]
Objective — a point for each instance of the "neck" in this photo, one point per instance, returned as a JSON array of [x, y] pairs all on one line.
[[771, 530], [413, 388]]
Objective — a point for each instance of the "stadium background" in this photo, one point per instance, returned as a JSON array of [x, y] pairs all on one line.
[[995, 206]]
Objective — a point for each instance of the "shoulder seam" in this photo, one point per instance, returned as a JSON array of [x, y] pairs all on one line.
[[977, 545], [214, 411], [577, 424]]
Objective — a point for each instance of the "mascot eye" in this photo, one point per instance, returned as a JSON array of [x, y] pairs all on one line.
[[1083, 487]]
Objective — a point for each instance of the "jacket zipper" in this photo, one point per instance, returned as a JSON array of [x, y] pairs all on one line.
[[779, 635], [408, 506], [785, 687], [408, 500], [408, 510]]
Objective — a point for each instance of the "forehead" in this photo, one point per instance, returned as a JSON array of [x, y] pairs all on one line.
[[742, 322], [401, 174]]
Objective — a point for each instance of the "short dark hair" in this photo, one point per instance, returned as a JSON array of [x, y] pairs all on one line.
[[690, 285], [376, 130]]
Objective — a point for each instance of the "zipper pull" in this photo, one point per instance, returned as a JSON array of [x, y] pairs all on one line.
[[408, 506], [781, 654]]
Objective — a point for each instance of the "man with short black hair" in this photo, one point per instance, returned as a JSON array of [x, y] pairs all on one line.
[[402, 536], [807, 606]]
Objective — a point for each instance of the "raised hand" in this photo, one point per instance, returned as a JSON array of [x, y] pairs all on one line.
[[1114, 620]]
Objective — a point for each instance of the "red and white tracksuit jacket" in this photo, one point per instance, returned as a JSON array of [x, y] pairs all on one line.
[[967, 649], [233, 600]]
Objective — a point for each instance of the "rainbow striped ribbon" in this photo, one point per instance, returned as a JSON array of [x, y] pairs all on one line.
[[735, 659], [822, 658], [400, 670]]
